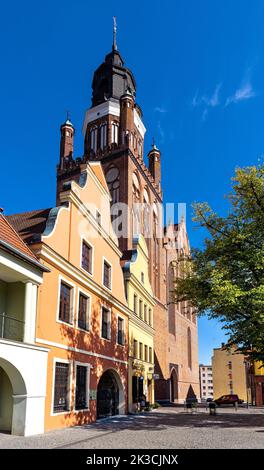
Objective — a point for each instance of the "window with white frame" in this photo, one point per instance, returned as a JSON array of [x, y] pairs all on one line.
[[141, 351], [145, 313], [106, 325], [140, 308], [121, 331], [150, 317], [61, 401], [83, 312], [107, 274], [87, 257], [146, 353], [81, 387], [65, 308], [135, 308]]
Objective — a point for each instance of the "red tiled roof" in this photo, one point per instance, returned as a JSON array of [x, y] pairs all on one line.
[[29, 224], [9, 235]]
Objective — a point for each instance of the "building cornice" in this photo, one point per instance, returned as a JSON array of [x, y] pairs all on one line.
[[18, 254], [144, 327], [131, 278]]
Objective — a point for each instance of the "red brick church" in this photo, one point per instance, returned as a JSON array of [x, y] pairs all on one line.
[[114, 133]]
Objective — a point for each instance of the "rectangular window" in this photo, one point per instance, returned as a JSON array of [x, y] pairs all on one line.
[[135, 352], [65, 303], [150, 317], [140, 308], [87, 253], [121, 331], [145, 313], [107, 275], [135, 304], [150, 355], [146, 353], [81, 388], [140, 351], [61, 386], [105, 323], [83, 313]]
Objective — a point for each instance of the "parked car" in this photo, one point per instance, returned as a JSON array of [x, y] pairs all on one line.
[[228, 400]]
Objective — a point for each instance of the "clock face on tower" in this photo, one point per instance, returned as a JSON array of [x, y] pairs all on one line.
[[112, 175]]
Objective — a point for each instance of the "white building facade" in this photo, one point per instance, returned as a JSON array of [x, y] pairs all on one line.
[[23, 365], [206, 381]]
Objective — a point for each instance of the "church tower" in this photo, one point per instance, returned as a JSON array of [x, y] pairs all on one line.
[[114, 132]]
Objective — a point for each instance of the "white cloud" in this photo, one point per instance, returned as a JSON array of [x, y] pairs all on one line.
[[195, 100], [161, 110], [214, 99], [245, 92], [207, 101]]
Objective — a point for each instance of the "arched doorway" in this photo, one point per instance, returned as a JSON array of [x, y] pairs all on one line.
[[110, 395], [12, 399], [173, 386], [6, 402]]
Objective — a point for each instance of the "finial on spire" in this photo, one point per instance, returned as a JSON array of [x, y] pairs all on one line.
[[114, 34], [154, 147], [68, 120]]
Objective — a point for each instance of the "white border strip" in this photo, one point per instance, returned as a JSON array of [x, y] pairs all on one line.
[[82, 351]]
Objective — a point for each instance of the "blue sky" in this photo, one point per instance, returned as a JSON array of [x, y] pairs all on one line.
[[199, 69]]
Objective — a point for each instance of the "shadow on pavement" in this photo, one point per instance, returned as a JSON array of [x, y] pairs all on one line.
[[162, 420]]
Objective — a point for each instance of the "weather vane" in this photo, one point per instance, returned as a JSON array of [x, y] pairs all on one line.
[[114, 34]]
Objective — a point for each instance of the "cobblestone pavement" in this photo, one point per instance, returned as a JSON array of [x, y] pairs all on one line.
[[165, 428]]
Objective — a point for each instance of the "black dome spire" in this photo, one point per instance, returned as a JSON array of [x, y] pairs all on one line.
[[112, 79]]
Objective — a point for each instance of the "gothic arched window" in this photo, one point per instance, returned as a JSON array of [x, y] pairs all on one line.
[[146, 217], [136, 188], [103, 136], [114, 132], [94, 139], [189, 347]]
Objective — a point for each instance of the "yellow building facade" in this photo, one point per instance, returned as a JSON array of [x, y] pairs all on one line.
[[82, 312], [229, 374], [141, 333], [259, 383]]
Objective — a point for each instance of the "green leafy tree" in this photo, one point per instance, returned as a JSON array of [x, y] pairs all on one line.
[[225, 279]]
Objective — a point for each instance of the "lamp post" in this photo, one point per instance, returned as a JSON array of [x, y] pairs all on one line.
[[246, 371]]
